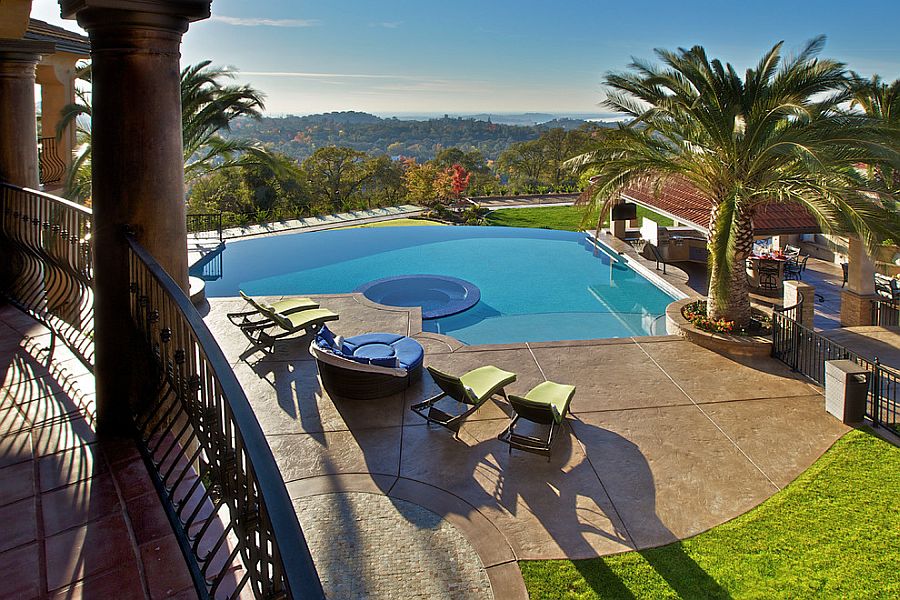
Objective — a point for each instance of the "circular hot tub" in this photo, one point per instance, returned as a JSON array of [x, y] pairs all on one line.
[[438, 295]]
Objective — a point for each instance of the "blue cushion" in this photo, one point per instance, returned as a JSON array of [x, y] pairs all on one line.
[[369, 348], [325, 338], [409, 352], [387, 361], [375, 350], [371, 338]]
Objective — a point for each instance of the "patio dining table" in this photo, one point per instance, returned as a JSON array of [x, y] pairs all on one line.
[[767, 261]]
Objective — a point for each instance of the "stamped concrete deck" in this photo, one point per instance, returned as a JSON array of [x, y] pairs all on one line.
[[665, 440]]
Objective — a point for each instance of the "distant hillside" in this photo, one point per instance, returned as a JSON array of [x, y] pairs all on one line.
[[299, 137]]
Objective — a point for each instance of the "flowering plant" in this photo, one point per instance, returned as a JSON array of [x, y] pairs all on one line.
[[695, 313]]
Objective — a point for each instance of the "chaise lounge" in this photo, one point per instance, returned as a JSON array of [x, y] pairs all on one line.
[[545, 404], [471, 389], [287, 306], [282, 326]]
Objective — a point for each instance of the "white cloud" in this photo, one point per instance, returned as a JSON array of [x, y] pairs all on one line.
[[304, 75], [262, 22], [387, 24]]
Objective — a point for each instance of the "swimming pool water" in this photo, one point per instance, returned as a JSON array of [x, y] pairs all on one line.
[[536, 285]]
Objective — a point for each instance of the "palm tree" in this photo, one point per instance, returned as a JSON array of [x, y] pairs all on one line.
[[207, 108], [880, 100], [782, 134]]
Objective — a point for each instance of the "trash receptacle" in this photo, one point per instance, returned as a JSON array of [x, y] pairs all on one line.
[[846, 390]]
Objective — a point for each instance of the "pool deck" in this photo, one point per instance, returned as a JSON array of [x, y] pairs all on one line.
[[664, 440]]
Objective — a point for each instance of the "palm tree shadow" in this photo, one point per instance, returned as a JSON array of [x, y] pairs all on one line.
[[631, 486]]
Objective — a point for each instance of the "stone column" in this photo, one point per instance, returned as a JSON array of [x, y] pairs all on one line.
[[856, 299], [138, 171], [18, 124], [791, 296]]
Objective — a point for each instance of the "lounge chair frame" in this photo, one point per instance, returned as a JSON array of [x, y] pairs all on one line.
[[262, 339], [534, 412], [242, 318], [530, 443], [458, 392]]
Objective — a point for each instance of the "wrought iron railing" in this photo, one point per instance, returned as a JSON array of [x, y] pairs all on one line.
[[202, 444], [885, 314], [208, 456], [205, 225], [47, 265], [51, 167], [806, 351]]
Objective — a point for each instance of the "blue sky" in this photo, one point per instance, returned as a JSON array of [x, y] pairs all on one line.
[[403, 56]]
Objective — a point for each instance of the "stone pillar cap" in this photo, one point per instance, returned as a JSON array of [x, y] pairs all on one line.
[[25, 50], [191, 10]]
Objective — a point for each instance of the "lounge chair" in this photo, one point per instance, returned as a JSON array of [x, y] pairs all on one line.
[[546, 404], [471, 389], [285, 307], [282, 326]]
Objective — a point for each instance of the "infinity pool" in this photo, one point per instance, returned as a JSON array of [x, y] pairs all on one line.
[[535, 284]]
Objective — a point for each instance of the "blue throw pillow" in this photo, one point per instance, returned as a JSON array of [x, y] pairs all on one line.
[[325, 338]]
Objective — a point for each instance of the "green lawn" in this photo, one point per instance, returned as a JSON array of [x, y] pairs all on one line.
[[570, 218], [832, 533]]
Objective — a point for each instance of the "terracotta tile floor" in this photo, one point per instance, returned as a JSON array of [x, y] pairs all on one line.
[[664, 440], [80, 518]]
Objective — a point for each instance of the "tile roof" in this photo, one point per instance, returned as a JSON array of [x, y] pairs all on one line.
[[65, 40], [681, 201]]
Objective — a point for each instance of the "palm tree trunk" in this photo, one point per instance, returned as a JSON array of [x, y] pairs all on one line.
[[734, 305]]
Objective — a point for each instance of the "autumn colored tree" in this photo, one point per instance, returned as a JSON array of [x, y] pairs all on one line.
[[459, 180]]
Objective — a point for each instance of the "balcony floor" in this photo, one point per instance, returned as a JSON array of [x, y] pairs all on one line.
[[80, 517], [665, 440]]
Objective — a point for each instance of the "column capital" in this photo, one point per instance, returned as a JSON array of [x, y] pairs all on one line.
[[163, 15], [25, 52]]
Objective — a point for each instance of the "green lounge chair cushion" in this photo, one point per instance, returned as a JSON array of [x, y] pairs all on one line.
[[302, 319], [288, 305], [474, 386], [485, 380], [556, 396]]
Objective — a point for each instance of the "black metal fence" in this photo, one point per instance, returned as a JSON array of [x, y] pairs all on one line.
[[806, 351], [51, 166], [205, 225], [208, 457], [885, 314], [46, 269]]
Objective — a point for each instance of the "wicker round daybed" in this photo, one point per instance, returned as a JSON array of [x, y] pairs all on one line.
[[363, 367]]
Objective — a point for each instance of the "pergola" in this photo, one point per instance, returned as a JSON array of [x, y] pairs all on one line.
[[681, 202]]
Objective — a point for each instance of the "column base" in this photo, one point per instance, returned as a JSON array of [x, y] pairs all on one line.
[[856, 309]]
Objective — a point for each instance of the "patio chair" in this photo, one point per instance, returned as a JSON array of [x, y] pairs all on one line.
[[546, 404], [793, 268], [282, 326], [767, 276], [472, 389], [888, 288], [285, 307]]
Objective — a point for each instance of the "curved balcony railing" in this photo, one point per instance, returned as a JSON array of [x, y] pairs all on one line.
[[204, 449], [208, 455], [51, 166], [47, 267]]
